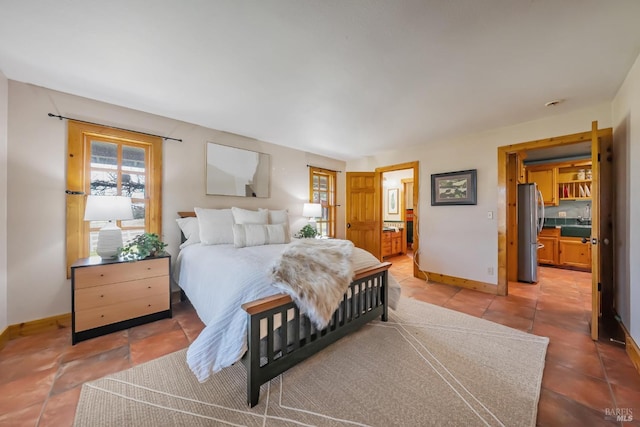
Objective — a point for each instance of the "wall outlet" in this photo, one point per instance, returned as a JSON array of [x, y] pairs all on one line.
[[562, 214], [490, 271], [490, 215]]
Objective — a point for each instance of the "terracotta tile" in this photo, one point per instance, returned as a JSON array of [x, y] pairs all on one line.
[[18, 365], [572, 323], [26, 391], [192, 326], [48, 340], [578, 359], [520, 300], [624, 374], [504, 306], [557, 410], [21, 416], [157, 345], [148, 329], [613, 351], [581, 340], [95, 346], [511, 320], [627, 397], [589, 391], [60, 410], [76, 372]]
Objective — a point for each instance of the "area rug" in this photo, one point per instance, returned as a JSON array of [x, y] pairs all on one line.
[[426, 366]]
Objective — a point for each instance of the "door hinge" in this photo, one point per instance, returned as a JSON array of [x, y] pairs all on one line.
[[599, 156], [599, 287]]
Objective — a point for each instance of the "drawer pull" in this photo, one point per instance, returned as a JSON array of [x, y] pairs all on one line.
[[101, 274], [101, 296], [149, 305], [148, 287], [102, 315]]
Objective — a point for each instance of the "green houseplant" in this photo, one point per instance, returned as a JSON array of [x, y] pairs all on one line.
[[307, 232], [142, 246]]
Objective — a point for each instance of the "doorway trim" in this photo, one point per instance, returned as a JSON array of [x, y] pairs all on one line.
[[416, 213], [504, 178]]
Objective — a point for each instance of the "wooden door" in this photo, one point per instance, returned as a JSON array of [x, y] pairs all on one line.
[[364, 212], [601, 230]]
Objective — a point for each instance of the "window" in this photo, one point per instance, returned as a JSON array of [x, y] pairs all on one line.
[[323, 191], [111, 162]]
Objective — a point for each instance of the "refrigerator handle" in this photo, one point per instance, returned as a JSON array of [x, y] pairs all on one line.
[[541, 205]]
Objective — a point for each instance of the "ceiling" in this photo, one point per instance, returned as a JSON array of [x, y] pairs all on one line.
[[342, 78]]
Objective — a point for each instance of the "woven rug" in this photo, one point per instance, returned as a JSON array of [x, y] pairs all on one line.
[[426, 366]]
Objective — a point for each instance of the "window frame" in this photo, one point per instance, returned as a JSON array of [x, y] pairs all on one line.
[[79, 181], [330, 206]]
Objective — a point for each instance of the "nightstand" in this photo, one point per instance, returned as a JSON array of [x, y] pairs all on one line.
[[108, 295]]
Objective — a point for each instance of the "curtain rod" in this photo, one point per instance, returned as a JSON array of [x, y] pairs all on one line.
[[330, 170], [113, 127]]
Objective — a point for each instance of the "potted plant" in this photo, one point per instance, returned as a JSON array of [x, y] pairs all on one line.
[[307, 232], [142, 246]]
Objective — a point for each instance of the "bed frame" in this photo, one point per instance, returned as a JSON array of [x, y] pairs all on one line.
[[296, 339]]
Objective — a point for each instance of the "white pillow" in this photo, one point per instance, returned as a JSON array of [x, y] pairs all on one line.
[[190, 229], [244, 216], [278, 217], [259, 234], [216, 226]]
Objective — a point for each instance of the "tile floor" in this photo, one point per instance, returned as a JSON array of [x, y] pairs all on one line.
[[41, 375]]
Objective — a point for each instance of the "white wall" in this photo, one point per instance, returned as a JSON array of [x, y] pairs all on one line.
[[626, 137], [36, 282], [461, 241], [4, 94]]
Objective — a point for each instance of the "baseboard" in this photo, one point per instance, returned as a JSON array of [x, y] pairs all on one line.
[[487, 288], [632, 348], [37, 326], [4, 337]]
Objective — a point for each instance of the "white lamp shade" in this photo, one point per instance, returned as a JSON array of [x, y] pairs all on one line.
[[110, 209], [312, 210], [107, 208]]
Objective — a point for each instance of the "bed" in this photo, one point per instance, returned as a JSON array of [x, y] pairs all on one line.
[[247, 318]]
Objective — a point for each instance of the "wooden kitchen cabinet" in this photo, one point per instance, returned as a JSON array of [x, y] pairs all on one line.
[[110, 295], [549, 253], [393, 242], [546, 178], [573, 253]]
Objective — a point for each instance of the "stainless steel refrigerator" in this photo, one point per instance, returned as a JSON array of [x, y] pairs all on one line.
[[530, 222]]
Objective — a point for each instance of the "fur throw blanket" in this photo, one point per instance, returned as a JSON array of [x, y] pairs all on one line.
[[315, 273]]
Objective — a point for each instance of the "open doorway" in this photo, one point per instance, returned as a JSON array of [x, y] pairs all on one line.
[[512, 171], [399, 199]]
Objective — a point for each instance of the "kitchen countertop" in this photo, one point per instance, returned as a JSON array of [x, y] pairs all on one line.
[[572, 230]]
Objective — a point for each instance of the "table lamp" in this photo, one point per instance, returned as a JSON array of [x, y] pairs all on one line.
[[111, 209], [312, 211]]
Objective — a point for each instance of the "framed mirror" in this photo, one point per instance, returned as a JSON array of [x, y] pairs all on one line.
[[234, 171]]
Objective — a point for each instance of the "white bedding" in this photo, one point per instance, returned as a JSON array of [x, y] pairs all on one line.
[[218, 279]]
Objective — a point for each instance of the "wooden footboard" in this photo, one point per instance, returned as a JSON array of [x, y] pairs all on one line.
[[296, 339]]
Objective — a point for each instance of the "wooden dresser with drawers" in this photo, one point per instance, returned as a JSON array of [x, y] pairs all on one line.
[[108, 295]]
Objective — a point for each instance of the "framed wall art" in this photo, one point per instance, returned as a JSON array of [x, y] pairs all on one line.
[[454, 188], [392, 201]]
